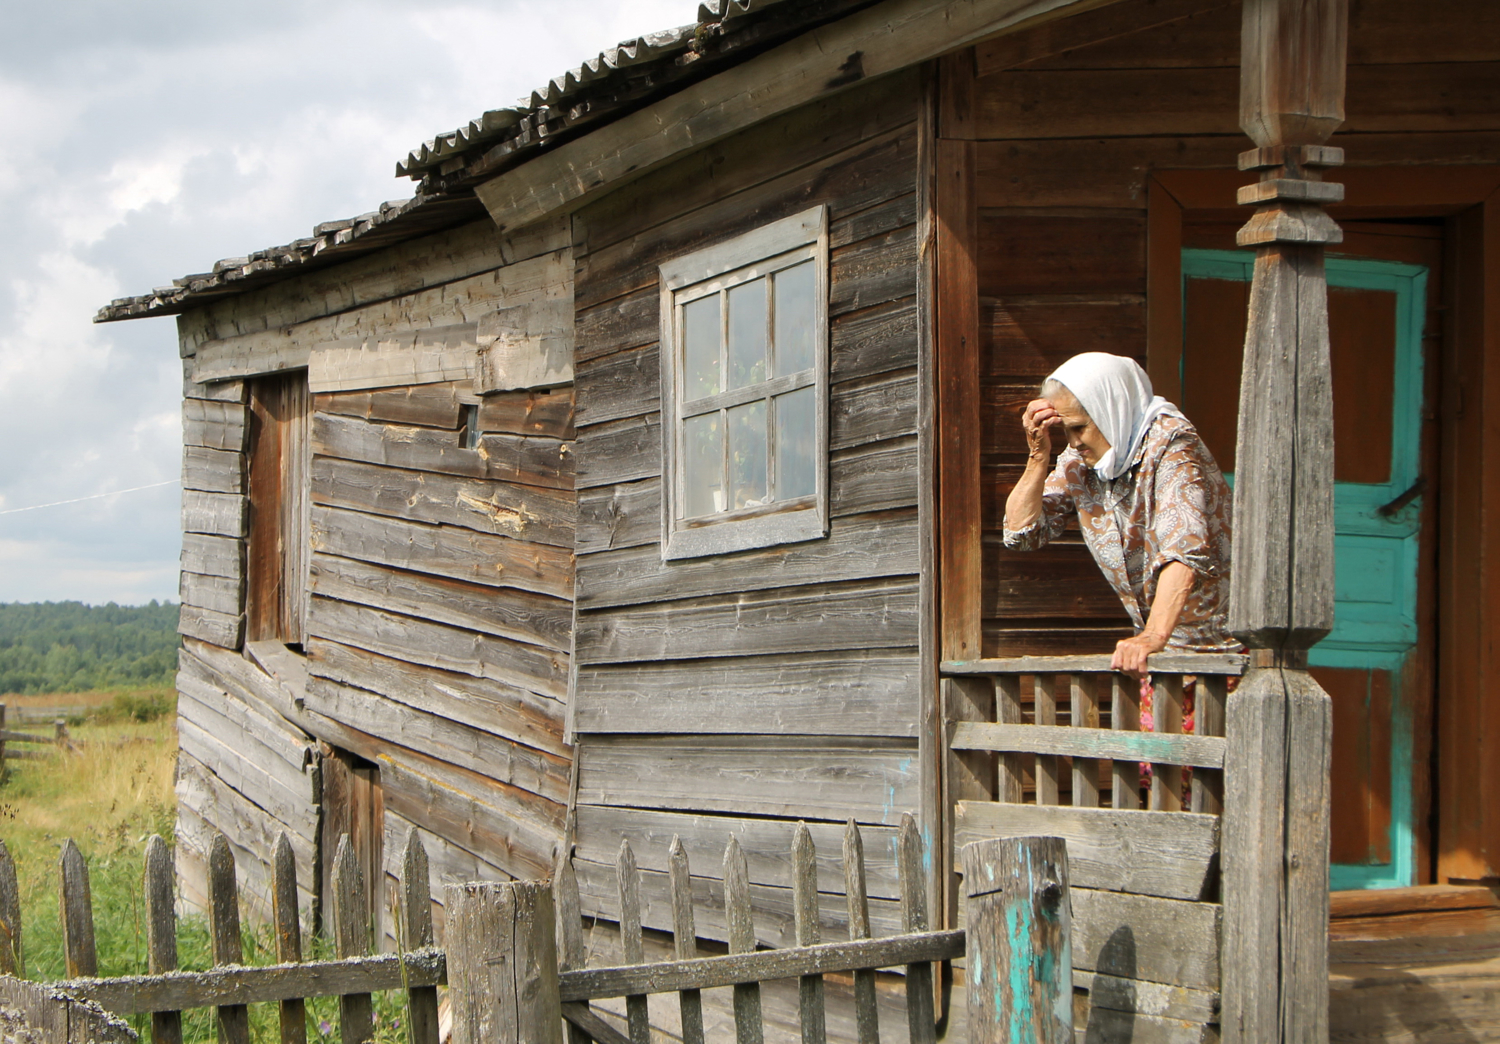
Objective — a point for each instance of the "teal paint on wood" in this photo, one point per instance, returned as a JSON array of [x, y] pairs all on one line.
[[1375, 555], [1018, 925]]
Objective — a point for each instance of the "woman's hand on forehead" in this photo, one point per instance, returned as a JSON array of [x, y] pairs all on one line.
[[1040, 413]]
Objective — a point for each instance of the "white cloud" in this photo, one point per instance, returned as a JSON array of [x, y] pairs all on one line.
[[137, 150]]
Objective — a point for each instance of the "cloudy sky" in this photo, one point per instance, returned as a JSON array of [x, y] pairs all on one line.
[[145, 141]]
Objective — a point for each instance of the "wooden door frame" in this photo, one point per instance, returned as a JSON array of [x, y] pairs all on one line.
[[1466, 726]]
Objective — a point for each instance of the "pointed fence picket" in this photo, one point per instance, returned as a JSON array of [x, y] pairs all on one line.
[[515, 957], [229, 986]]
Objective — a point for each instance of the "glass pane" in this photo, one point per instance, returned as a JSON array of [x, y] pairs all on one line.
[[795, 318], [796, 446], [702, 465], [700, 348], [747, 455], [747, 334]]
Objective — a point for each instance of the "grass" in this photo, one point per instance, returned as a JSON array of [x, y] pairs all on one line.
[[110, 791]]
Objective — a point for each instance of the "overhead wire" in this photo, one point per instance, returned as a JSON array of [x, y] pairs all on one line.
[[91, 496]]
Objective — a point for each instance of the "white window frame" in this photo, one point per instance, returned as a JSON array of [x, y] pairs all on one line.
[[715, 269]]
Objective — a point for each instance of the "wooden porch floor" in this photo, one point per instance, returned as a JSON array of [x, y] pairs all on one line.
[[1418, 964]]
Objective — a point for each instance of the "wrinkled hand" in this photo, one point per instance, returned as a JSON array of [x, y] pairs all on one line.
[[1040, 415], [1130, 653]]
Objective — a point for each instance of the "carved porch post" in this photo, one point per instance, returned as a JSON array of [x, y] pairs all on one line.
[[1275, 851]]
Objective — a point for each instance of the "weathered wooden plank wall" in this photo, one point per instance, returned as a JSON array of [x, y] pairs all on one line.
[[439, 571], [739, 693]]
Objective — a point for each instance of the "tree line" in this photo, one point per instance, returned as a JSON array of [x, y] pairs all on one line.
[[72, 647]]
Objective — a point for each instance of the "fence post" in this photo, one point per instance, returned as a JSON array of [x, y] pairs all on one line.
[[161, 933], [502, 963], [224, 927], [1018, 939], [12, 956], [2, 741], [416, 924], [921, 1006], [866, 1014], [293, 1011], [351, 938], [637, 1015], [79, 953]]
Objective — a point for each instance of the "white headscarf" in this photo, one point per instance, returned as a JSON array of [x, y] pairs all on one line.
[[1116, 394]]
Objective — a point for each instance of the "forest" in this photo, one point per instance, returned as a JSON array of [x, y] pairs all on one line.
[[72, 647]]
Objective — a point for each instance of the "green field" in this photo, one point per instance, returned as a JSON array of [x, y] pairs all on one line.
[[109, 790]]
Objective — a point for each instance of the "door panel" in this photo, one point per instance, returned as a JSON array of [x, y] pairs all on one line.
[[1376, 309]]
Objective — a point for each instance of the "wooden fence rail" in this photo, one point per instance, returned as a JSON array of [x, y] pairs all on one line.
[[7, 737], [515, 951], [229, 987]]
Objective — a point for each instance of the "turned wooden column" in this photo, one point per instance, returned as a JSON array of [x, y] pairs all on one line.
[[1275, 834]]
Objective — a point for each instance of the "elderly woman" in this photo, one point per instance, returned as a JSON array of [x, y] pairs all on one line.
[[1152, 504]]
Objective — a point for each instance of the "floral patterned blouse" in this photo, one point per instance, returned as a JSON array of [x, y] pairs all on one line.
[[1171, 505]]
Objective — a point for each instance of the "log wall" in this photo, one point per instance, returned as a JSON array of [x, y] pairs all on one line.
[[737, 694], [440, 567]]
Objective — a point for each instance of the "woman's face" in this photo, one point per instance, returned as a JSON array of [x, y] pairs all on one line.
[[1082, 434]]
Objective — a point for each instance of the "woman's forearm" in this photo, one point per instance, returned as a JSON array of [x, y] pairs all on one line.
[[1173, 585], [1024, 505]]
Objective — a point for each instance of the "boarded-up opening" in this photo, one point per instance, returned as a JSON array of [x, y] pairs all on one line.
[[354, 804], [277, 556]]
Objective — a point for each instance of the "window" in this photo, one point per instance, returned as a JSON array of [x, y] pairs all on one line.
[[279, 545], [745, 390]]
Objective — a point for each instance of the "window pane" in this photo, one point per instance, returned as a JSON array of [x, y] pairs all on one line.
[[700, 348], [703, 465], [796, 420], [747, 455], [795, 318], [747, 334]]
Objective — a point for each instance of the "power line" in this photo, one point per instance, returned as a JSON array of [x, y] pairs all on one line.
[[92, 496]]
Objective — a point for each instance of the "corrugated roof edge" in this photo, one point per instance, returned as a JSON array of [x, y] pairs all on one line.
[[331, 242], [524, 127], [531, 118]]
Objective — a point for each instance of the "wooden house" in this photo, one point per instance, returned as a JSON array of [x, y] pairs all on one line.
[[642, 474]]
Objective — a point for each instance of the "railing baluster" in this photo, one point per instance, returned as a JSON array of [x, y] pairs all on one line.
[[810, 1003], [866, 1014], [12, 953], [161, 932], [416, 922], [920, 1003], [747, 1019], [1044, 711], [630, 939], [571, 953], [1008, 712], [1083, 705], [351, 938], [685, 939], [79, 954], [293, 1011], [1125, 716], [1208, 720], [224, 926], [1166, 711]]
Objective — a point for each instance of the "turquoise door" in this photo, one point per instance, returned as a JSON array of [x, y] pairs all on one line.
[[1376, 314]]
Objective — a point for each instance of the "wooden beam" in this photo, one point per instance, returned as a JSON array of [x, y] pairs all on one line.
[[883, 39], [1278, 722]]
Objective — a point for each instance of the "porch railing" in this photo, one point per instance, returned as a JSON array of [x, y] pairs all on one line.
[[1063, 746]]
